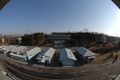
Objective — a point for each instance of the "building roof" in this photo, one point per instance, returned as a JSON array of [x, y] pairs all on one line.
[[12, 48], [50, 52], [31, 53], [40, 55], [20, 56], [117, 2], [85, 52], [46, 55], [3, 3], [9, 48], [66, 54]]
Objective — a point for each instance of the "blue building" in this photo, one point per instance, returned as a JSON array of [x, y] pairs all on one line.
[[66, 57]]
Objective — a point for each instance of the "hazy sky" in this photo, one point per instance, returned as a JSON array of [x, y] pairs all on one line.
[[22, 16]]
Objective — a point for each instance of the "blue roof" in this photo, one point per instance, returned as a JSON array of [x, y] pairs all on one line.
[[66, 54], [81, 50], [84, 52]]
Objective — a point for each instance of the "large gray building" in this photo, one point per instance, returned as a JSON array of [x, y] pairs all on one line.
[[59, 38], [67, 58]]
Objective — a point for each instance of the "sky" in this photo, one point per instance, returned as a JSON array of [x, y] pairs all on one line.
[[28, 16]]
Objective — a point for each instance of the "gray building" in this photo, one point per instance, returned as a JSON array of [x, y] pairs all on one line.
[[18, 57], [45, 57], [85, 54], [32, 53], [59, 38]]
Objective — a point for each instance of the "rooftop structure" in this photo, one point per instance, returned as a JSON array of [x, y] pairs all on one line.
[[66, 57], [3, 3]]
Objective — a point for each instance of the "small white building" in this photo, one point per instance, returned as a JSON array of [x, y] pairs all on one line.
[[85, 54], [18, 57], [12, 48], [32, 53], [46, 56], [5, 49], [8, 48], [66, 57]]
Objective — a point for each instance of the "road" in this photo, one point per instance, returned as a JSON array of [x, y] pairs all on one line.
[[87, 72], [5, 75], [2, 76]]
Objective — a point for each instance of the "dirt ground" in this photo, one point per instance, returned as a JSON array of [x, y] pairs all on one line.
[[103, 58]]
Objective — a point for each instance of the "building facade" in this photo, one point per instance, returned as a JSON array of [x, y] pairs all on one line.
[[66, 57]]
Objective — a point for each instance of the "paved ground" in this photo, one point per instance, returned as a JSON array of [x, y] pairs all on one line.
[[87, 72], [5, 75], [92, 72]]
